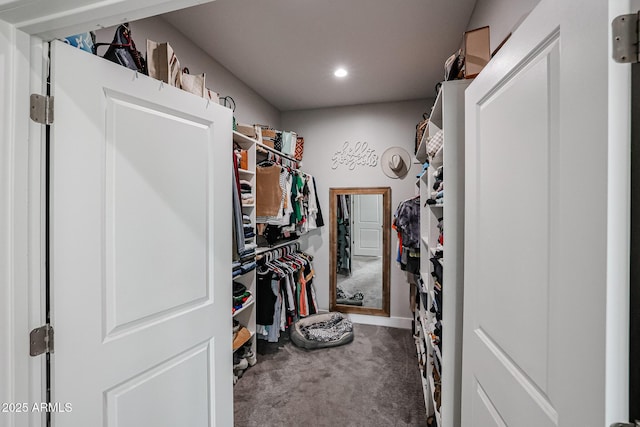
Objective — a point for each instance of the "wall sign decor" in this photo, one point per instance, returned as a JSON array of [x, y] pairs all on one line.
[[357, 155]]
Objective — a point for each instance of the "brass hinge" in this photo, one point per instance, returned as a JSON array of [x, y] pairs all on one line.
[[41, 340], [41, 109]]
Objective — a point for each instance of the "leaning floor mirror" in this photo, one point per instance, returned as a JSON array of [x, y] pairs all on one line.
[[360, 250]]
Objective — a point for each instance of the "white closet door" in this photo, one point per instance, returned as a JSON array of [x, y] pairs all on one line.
[[536, 254], [367, 225], [140, 263]]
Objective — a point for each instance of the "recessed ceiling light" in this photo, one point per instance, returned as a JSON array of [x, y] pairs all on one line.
[[340, 72]]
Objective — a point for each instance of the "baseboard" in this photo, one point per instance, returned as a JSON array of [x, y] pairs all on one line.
[[391, 322]]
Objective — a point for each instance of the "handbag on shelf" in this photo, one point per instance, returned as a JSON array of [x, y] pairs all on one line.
[[454, 66], [122, 50], [193, 83], [83, 41], [288, 142], [212, 96], [421, 127], [299, 148], [229, 102], [267, 135], [163, 63], [435, 143], [277, 142]]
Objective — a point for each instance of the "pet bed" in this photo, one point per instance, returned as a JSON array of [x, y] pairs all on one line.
[[322, 331]]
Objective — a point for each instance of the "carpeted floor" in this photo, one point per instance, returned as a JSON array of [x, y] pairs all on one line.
[[374, 382], [366, 277]]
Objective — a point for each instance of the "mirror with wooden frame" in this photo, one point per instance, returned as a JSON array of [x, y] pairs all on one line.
[[359, 261]]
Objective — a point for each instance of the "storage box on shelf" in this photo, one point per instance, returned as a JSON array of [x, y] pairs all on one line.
[[447, 115]]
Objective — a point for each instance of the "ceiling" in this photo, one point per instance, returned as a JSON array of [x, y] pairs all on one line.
[[287, 50]]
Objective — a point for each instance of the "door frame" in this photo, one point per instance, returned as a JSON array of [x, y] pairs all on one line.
[[22, 214], [634, 288], [24, 55]]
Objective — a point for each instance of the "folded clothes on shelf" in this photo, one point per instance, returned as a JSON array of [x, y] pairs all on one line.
[[248, 251], [240, 301], [247, 267], [248, 264], [245, 186], [238, 288]]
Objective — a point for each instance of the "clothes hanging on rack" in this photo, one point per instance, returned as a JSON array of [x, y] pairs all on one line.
[[407, 223], [287, 202], [285, 291], [343, 257], [268, 191], [318, 218]]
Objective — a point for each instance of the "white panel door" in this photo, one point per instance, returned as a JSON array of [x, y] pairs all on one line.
[[140, 261], [536, 248], [367, 225]]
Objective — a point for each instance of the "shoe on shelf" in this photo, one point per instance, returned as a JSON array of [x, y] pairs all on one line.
[[250, 357], [241, 366]]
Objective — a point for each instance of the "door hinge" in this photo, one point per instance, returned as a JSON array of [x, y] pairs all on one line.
[[624, 31], [41, 109], [41, 340]]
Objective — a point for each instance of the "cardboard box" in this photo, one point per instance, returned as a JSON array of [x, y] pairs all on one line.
[[477, 51]]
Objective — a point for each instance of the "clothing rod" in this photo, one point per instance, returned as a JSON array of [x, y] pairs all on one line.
[[290, 168], [260, 251], [274, 151]]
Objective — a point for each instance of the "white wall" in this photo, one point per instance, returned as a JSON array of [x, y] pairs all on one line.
[[251, 107], [325, 131], [502, 16]]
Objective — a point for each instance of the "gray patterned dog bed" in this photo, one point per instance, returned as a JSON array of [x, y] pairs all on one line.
[[322, 330]]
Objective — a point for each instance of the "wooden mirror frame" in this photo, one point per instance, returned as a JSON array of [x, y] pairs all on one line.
[[386, 250]]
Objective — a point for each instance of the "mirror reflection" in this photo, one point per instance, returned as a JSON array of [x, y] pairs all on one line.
[[359, 266], [360, 235]]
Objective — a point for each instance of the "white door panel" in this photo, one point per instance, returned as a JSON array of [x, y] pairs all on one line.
[[484, 413], [140, 270], [367, 225], [513, 218], [535, 225], [152, 218]]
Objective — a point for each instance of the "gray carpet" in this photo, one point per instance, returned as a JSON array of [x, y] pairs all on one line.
[[366, 277], [374, 381]]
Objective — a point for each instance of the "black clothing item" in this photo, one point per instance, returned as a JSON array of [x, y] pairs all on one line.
[[319, 220], [413, 265], [266, 309], [238, 289], [437, 269]]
